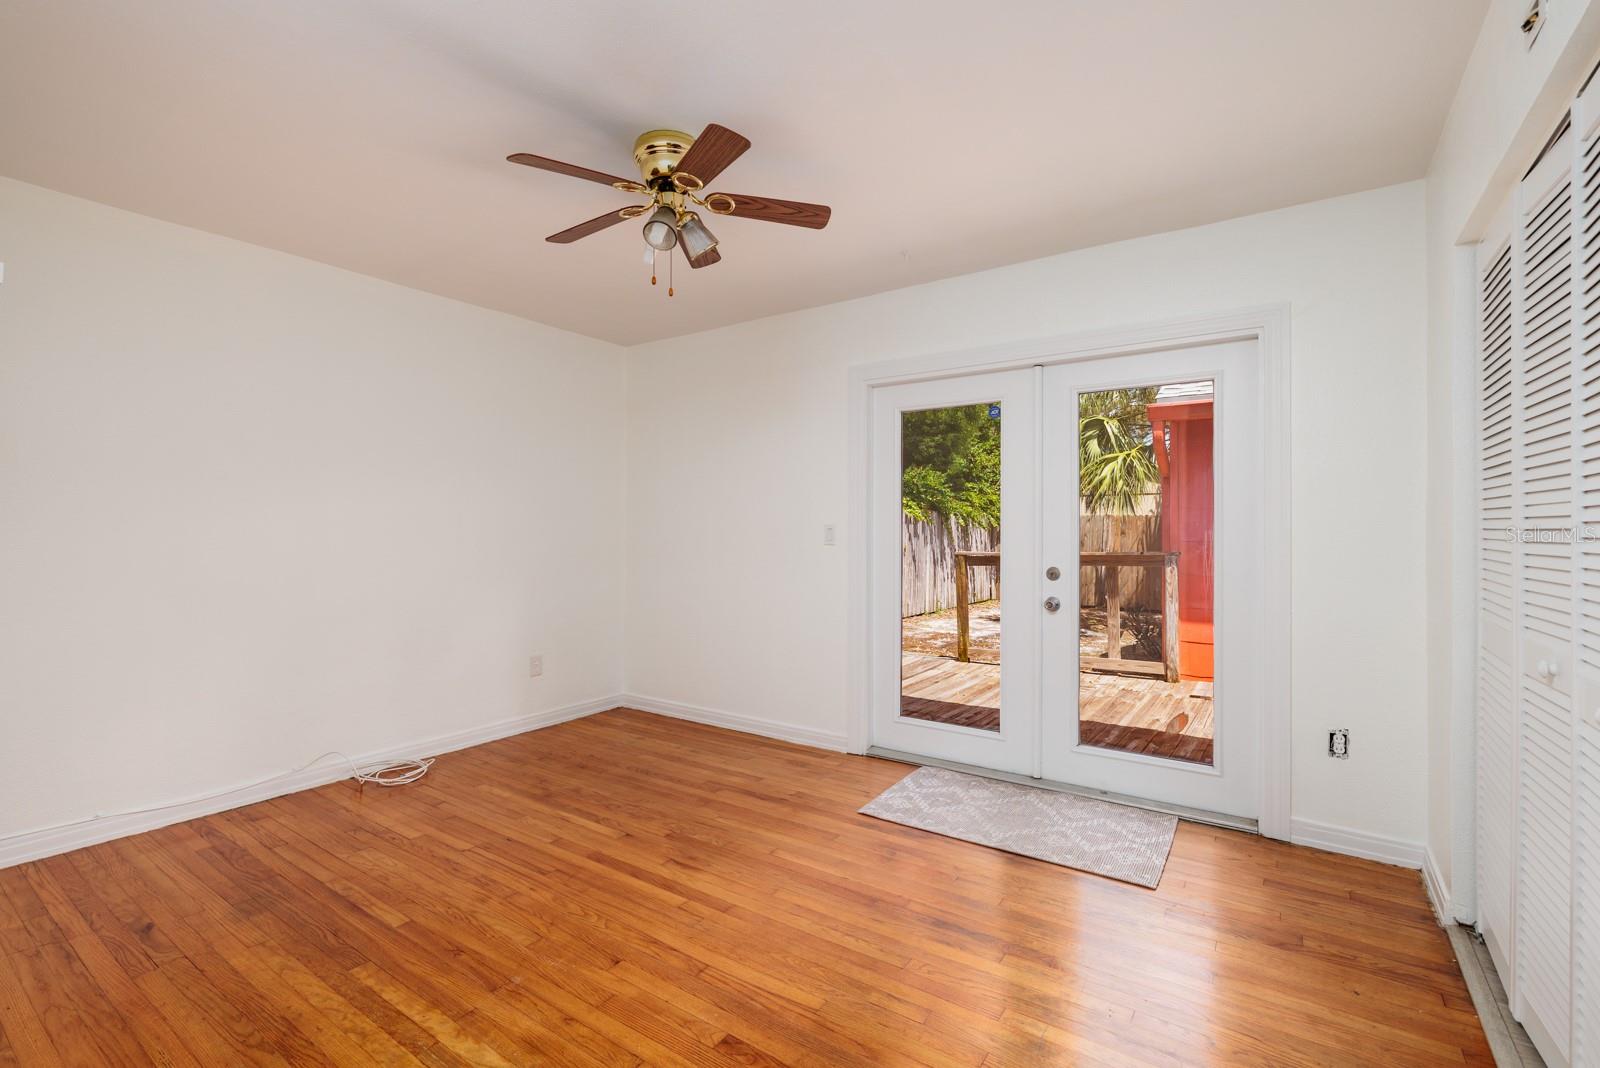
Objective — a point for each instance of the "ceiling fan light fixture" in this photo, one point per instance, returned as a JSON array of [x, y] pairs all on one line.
[[697, 240], [674, 168], [659, 233]]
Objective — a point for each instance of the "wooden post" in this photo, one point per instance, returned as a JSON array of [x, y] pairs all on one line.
[[1169, 617], [1111, 565], [963, 638], [1114, 611]]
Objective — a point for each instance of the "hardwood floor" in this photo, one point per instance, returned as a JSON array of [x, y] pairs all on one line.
[[628, 889]]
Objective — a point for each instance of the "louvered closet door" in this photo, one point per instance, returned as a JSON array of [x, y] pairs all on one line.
[[1497, 555], [1586, 841], [1544, 410]]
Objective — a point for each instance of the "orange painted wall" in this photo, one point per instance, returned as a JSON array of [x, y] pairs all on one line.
[[1183, 448]]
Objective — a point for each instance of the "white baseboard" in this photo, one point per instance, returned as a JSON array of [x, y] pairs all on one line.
[[838, 742], [1355, 843], [48, 841], [1433, 882]]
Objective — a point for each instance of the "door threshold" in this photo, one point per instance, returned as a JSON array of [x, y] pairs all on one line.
[[1193, 815]]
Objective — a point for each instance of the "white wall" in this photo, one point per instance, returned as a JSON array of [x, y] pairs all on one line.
[[737, 457], [1509, 101], [253, 508]]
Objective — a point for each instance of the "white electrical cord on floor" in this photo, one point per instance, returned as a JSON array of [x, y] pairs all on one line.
[[380, 773], [394, 773]]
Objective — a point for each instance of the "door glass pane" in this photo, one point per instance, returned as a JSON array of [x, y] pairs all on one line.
[[1146, 498], [950, 565]]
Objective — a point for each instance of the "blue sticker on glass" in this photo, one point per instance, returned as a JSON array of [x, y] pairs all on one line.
[[994, 411]]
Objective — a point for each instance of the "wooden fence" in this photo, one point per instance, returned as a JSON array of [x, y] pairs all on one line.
[[1140, 586], [928, 575], [928, 563]]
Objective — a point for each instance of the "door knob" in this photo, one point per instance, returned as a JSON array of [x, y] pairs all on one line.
[[1052, 604]]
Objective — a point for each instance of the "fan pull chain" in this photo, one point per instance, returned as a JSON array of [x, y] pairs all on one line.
[[671, 258], [652, 266]]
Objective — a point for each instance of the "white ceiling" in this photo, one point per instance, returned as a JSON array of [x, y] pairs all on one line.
[[948, 137]]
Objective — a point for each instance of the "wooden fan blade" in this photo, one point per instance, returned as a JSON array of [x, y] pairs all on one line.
[[707, 258], [715, 148], [558, 167], [584, 229], [792, 212]]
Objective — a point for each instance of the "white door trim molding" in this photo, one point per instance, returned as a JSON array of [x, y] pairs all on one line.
[[1460, 888], [1269, 326]]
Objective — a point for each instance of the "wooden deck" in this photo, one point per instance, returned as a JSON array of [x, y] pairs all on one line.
[[1135, 715], [633, 890], [942, 690]]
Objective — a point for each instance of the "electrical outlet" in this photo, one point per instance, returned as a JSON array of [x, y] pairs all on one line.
[[1339, 744], [536, 665]]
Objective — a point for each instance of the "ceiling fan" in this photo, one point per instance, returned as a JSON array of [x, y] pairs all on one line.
[[674, 170]]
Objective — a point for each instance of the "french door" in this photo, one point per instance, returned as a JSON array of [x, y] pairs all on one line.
[[1117, 647], [976, 704], [1168, 706]]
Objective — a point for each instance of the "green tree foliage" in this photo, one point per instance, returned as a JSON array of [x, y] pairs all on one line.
[[950, 464], [1116, 464], [950, 457]]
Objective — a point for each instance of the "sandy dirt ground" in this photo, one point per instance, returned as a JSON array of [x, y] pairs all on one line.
[[935, 633]]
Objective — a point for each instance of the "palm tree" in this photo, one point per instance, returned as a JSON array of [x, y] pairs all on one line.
[[1116, 464]]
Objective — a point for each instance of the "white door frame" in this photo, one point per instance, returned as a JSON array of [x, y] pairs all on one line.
[[1269, 327]]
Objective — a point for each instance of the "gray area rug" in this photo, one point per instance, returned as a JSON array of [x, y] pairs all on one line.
[[1116, 841]]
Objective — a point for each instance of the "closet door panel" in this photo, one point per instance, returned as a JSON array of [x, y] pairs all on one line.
[[1497, 555], [1546, 577], [1586, 838], [1496, 688]]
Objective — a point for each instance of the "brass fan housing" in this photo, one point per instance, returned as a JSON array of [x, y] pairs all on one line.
[[657, 153]]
